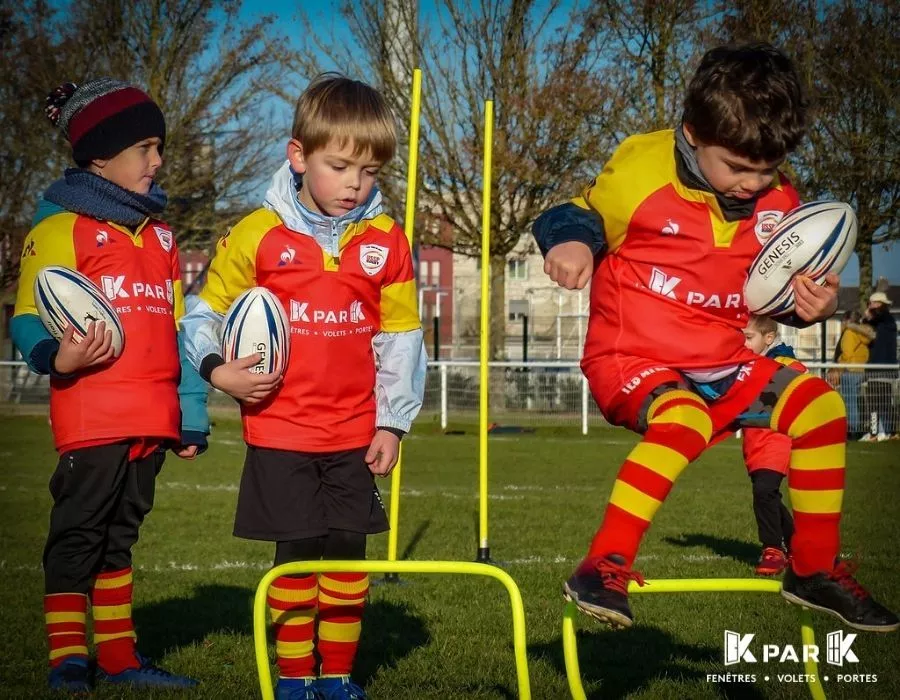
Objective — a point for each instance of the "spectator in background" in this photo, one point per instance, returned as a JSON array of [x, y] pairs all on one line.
[[882, 351], [852, 349]]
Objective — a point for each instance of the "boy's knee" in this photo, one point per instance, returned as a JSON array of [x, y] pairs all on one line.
[[679, 409], [766, 482], [306, 549], [345, 544]]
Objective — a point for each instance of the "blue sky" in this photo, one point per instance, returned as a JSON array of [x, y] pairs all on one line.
[[886, 258]]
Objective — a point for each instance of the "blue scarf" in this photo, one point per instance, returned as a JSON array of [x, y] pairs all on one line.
[[83, 192]]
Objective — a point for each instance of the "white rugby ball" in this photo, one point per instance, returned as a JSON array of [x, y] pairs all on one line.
[[812, 240], [257, 323], [65, 297]]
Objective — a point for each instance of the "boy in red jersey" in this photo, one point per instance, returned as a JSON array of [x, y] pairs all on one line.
[[112, 417], [342, 269], [681, 216]]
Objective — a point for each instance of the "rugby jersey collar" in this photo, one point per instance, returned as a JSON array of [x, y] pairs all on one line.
[[282, 199]]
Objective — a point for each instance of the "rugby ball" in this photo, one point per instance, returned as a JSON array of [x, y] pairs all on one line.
[[812, 240], [256, 323], [64, 297]]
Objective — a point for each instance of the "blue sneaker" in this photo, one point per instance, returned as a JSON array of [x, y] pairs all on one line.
[[73, 675], [339, 688], [147, 676], [296, 689]]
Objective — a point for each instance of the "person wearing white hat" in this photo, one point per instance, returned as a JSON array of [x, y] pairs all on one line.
[[883, 350]]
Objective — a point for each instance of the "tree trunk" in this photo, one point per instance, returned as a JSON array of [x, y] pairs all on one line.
[[497, 377], [864, 253], [498, 308]]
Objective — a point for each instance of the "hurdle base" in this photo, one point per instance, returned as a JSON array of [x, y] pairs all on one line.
[[484, 555]]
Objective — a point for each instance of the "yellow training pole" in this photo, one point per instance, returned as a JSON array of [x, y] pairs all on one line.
[[408, 227], [484, 550]]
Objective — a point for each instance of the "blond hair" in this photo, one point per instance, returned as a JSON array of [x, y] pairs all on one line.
[[334, 107], [763, 324]]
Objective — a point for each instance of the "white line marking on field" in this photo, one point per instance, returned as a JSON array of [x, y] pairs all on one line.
[[181, 486]]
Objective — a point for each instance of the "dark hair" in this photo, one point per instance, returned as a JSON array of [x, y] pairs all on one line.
[[747, 98], [852, 316]]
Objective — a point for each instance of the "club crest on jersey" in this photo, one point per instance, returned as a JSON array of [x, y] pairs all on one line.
[[766, 221], [372, 258], [165, 238]]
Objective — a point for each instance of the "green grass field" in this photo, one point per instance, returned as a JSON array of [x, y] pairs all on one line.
[[450, 636]]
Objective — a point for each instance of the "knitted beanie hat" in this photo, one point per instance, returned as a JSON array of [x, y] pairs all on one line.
[[103, 117]]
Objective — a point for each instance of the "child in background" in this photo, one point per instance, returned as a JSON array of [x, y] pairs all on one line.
[[767, 455]]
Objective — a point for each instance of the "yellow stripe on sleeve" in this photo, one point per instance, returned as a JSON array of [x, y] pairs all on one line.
[[233, 268], [48, 243], [399, 307]]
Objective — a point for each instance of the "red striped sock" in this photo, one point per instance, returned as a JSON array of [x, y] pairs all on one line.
[[292, 605], [341, 601], [814, 416], [679, 428], [65, 616], [113, 629]]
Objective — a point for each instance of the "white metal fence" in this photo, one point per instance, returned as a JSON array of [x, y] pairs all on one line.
[[551, 393]]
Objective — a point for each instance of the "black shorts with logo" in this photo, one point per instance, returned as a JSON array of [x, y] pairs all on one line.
[[287, 495]]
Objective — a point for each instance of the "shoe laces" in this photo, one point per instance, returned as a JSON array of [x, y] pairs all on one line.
[[616, 576], [773, 553], [843, 575]]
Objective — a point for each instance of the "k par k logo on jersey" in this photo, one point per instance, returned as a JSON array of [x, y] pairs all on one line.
[[739, 648]]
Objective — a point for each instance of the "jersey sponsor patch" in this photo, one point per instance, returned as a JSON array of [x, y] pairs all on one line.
[[372, 258]]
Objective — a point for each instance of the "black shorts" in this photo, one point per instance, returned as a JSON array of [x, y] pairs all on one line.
[[288, 495]]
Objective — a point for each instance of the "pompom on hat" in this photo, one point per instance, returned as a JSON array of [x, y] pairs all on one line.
[[103, 117]]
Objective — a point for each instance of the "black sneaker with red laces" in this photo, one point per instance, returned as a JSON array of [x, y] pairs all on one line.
[[838, 593], [599, 587]]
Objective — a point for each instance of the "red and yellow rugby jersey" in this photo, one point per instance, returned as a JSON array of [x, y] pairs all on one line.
[[335, 307], [137, 394], [671, 287]]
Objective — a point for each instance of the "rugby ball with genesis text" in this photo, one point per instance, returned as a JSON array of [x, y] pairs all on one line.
[[257, 323], [812, 240], [65, 297]]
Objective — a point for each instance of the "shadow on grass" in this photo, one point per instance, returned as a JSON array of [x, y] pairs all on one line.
[[739, 550], [390, 632], [181, 622], [626, 662], [415, 539]]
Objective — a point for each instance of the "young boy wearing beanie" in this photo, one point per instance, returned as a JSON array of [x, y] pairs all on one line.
[[113, 417]]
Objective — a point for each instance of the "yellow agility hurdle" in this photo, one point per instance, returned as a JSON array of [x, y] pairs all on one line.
[[690, 585], [384, 567]]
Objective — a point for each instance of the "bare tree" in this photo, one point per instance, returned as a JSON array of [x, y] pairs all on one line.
[[28, 42], [212, 76], [849, 60], [538, 65]]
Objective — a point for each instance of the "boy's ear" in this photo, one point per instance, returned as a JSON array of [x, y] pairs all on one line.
[[295, 156], [689, 135], [100, 163]]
